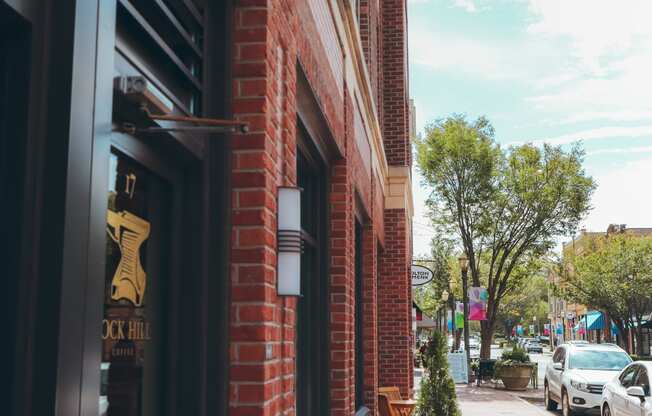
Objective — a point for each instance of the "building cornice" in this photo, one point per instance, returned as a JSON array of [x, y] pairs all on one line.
[[399, 189], [355, 65]]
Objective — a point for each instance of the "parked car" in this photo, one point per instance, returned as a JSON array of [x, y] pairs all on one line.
[[534, 346], [629, 393], [523, 342], [578, 373]]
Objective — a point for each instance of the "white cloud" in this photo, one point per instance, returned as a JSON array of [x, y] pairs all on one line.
[[606, 49], [467, 5], [621, 115], [621, 151], [482, 58], [621, 197], [596, 29], [594, 134]]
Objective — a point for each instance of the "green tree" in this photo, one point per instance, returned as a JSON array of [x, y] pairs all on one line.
[[520, 306], [505, 207], [613, 274], [437, 396]]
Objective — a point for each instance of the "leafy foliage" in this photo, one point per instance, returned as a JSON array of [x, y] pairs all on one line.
[[514, 358], [437, 396], [505, 207], [611, 273]]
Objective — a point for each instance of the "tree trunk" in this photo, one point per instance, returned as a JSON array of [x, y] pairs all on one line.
[[639, 340], [623, 334], [487, 332]]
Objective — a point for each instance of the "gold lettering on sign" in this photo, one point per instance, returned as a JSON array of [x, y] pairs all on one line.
[[130, 184], [133, 329], [129, 232]]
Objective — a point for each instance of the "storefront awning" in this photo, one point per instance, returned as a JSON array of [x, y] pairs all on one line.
[[594, 321]]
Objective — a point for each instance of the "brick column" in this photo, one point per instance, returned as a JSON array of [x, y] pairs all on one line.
[[342, 308], [395, 305], [262, 325]]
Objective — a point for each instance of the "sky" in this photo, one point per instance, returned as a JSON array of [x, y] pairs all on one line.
[[554, 71]]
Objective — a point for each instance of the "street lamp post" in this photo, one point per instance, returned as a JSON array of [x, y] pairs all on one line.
[[464, 267], [444, 298]]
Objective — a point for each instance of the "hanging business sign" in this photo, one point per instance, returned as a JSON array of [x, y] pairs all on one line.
[[421, 275]]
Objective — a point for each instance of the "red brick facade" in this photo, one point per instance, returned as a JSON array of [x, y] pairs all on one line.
[[272, 41]]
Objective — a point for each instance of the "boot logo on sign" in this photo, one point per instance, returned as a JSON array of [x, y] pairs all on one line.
[[129, 232]]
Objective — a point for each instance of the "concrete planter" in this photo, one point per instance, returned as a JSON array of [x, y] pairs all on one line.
[[516, 377]]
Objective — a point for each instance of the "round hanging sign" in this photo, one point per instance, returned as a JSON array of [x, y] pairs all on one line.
[[421, 275]]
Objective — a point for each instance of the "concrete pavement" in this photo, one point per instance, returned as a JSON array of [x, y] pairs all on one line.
[[487, 401]]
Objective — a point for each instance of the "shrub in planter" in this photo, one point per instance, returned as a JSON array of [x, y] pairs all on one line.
[[437, 396], [514, 369]]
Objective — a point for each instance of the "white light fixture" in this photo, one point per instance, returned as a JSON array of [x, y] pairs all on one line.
[[288, 272]]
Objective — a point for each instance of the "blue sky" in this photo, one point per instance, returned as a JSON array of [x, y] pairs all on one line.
[[544, 70]]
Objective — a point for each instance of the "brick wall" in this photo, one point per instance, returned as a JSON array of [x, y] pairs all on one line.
[[371, 37], [271, 39], [395, 305], [395, 102]]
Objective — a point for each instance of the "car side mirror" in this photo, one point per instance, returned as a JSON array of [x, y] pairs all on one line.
[[558, 366], [636, 391]]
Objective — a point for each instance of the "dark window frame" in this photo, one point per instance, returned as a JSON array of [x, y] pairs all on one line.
[[313, 372], [359, 315]]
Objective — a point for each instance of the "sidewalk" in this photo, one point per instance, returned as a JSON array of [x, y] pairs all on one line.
[[485, 401]]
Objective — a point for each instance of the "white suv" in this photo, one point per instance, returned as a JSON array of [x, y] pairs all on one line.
[[579, 372]]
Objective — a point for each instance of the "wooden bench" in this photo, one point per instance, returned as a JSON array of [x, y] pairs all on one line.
[[390, 402]]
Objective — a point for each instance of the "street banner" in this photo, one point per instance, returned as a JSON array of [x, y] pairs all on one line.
[[478, 304], [560, 329], [459, 315], [532, 330], [546, 329], [519, 330]]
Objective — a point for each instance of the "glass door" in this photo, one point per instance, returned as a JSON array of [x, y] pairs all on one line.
[[138, 285]]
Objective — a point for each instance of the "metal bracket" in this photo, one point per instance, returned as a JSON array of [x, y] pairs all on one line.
[[142, 93], [201, 125]]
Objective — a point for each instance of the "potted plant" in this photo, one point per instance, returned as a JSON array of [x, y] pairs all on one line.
[[515, 369]]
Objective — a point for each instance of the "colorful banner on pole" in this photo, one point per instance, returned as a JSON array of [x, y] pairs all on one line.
[[478, 304], [459, 315], [546, 329], [519, 330]]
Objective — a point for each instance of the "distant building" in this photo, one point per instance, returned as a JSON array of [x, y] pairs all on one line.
[[568, 320]]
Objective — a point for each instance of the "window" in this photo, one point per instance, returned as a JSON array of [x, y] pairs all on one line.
[[599, 360], [642, 380], [627, 377], [312, 346], [559, 355]]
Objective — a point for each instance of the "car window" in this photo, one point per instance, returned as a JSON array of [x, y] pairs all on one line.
[[642, 380], [558, 355], [599, 360], [627, 376]]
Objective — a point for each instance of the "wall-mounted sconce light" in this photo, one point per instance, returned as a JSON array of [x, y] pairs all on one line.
[[289, 241]]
